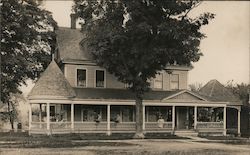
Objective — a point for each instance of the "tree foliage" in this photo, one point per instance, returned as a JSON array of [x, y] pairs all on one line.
[[239, 90], [27, 39], [134, 39], [195, 87]]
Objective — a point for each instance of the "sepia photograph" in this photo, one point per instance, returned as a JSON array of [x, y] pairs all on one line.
[[128, 77]]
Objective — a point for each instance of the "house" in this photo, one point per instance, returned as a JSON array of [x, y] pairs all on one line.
[[74, 95]]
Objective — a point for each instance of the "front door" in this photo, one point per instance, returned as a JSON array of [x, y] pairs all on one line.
[[184, 117]]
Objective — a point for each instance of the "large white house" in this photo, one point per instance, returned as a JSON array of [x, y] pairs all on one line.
[[74, 95]]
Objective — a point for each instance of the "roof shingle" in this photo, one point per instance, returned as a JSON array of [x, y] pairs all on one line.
[[69, 41], [121, 94], [216, 92], [52, 83]]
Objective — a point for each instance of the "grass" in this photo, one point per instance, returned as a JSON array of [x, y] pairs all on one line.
[[76, 143], [228, 140], [222, 137], [12, 136], [23, 140], [172, 152], [60, 144]]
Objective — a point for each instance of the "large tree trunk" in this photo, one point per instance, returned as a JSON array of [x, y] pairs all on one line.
[[139, 118], [11, 116]]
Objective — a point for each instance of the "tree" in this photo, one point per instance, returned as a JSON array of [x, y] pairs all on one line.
[[134, 39], [239, 90], [27, 40], [195, 87]]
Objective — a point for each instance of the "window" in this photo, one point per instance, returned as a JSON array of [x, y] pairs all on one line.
[[174, 83], [153, 113], [158, 81], [91, 113], [125, 113], [52, 110], [81, 78], [100, 78]]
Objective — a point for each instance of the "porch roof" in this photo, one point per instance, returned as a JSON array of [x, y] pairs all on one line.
[[119, 94], [52, 84], [216, 92]]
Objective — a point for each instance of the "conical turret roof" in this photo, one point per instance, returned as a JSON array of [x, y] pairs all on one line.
[[52, 84]]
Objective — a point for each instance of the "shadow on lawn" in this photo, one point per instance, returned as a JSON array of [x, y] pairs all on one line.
[[23, 140]]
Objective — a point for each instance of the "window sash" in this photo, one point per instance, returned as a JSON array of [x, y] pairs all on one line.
[[81, 77], [158, 81], [174, 81], [100, 78]]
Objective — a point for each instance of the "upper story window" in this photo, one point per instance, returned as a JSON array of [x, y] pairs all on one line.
[[158, 81], [81, 77], [174, 81], [100, 78]]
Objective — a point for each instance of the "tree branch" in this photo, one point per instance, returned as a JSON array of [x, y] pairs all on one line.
[[195, 5]]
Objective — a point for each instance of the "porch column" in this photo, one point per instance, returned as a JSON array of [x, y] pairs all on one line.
[[72, 116], [30, 116], [40, 115], [225, 121], [48, 117], [239, 110], [195, 117], [173, 118], [108, 120], [143, 117]]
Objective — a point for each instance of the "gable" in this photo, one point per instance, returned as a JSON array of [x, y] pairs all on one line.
[[184, 96]]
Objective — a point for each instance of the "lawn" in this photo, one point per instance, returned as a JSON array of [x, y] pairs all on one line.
[[23, 140], [117, 144]]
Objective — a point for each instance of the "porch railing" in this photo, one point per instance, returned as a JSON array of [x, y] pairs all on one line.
[[100, 126], [210, 125], [154, 126], [90, 126], [53, 125], [60, 125], [122, 126], [38, 125]]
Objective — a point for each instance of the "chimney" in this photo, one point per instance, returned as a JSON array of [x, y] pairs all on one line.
[[73, 20]]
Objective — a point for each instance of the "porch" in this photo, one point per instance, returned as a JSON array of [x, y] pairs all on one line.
[[119, 117]]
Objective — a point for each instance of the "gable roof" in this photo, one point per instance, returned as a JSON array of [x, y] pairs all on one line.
[[52, 84], [68, 42], [215, 91], [186, 95]]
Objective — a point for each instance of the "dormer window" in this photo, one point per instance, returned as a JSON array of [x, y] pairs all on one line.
[[174, 81], [100, 78], [158, 81], [81, 78]]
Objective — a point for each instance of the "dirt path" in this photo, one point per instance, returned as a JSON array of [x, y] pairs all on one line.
[[141, 147]]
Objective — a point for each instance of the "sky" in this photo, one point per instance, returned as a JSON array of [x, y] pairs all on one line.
[[226, 49], [227, 46]]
